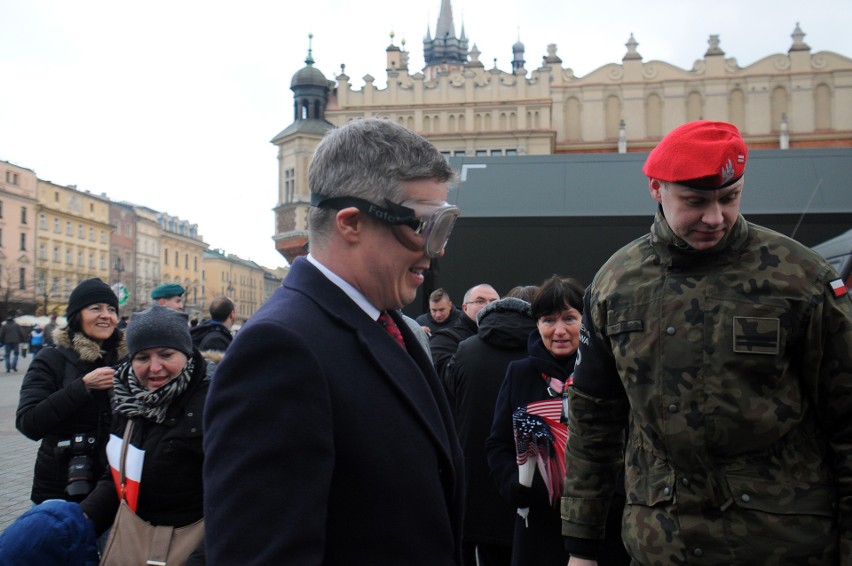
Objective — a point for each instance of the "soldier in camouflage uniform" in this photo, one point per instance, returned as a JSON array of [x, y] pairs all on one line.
[[715, 358]]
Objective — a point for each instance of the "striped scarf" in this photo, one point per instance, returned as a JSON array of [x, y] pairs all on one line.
[[133, 400]]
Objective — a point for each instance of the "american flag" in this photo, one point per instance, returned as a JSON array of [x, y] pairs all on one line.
[[540, 436]]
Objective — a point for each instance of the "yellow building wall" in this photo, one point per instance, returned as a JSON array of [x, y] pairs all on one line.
[[73, 239], [18, 207]]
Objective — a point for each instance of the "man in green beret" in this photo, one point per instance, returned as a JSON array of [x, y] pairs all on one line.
[[169, 295]]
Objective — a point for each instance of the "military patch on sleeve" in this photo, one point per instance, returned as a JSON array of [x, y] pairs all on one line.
[[753, 335], [838, 287]]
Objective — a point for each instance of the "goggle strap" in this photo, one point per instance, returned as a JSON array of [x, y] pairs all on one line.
[[395, 214]]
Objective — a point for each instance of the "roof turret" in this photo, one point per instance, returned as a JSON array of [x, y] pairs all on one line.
[[309, 75]]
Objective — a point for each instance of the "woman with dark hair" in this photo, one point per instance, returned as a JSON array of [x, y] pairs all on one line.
[[528, 412], [64, 398]]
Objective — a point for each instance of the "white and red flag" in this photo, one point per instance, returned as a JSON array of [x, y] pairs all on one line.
[[132, 469], [838, 287]]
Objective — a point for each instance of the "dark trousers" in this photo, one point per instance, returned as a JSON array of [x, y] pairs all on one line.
[[11, 349], [489, 554]]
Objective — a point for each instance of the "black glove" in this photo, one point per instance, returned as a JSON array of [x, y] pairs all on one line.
[[521, 495]]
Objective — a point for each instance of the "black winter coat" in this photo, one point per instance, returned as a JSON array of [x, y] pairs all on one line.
[[426, 319], [54, 405], [211, 335], [474, 377], [444, 343], [11, 333], [541, 542], [171, 490]]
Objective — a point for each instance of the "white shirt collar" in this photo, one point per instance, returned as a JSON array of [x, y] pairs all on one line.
[[351, 292]]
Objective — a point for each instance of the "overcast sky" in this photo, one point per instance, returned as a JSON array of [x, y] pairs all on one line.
[[171, 104]]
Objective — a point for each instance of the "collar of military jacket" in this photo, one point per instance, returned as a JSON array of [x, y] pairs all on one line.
[[673, 251]]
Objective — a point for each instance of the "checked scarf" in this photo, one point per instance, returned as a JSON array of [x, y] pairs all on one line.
[[132, 400]]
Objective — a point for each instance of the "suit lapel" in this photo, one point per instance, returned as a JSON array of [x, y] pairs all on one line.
[[411, 375]]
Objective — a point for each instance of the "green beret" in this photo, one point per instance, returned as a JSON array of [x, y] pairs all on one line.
[[167, 290]]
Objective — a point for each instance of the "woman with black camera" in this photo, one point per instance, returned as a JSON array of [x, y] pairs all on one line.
[[65, 395]]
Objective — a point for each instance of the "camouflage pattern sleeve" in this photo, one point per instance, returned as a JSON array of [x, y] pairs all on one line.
[[827, 373], [597, 418]]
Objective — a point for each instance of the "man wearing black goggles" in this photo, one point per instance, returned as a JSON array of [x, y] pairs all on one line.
[[431, 220], [336, 364]]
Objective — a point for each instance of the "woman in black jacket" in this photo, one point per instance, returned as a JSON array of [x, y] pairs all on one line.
[[162, 390], [64, 398], [541, 376]]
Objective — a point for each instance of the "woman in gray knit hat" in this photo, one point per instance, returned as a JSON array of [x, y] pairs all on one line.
[[161, 389]]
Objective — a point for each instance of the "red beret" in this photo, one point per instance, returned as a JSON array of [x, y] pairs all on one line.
[[700, 155]]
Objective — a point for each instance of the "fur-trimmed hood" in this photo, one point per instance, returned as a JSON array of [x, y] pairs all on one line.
[[506, 323], [508, 304], [213, 358], [89, 350]]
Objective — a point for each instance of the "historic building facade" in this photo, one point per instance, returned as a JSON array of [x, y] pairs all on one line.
[[182, 249], [73, 242], [18, 206], [148, 262], [123, 256], [241, 280], [54, 236], [798, 99]]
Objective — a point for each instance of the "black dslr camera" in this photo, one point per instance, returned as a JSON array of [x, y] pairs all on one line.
[[81, 451]]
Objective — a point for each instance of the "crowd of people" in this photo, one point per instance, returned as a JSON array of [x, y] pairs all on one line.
[[77, 398], [692, 404]]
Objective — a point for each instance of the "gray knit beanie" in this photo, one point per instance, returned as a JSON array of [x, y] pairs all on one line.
[[158, 327]]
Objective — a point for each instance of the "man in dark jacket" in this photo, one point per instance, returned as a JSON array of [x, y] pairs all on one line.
[[48, 331], [474, 376], [215, 334], [11, 335], [442, 312], [444, 342], [327, 436]]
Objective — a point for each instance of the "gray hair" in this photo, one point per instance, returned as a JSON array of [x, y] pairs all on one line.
[[368, 158]]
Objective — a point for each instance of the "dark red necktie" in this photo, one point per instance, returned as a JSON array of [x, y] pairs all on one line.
[[390, 326]]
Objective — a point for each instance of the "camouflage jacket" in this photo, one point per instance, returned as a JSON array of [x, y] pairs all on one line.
[[730, 371]]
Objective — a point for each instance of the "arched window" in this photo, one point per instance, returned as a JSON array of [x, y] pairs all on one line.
[[736, 108], [654, 116], [822, 107], [694, 107], [779, 108], [573, 129], [612, 116]]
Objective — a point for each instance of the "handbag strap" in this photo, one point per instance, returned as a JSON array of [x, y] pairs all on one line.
[[128, 430], [158, 552]]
